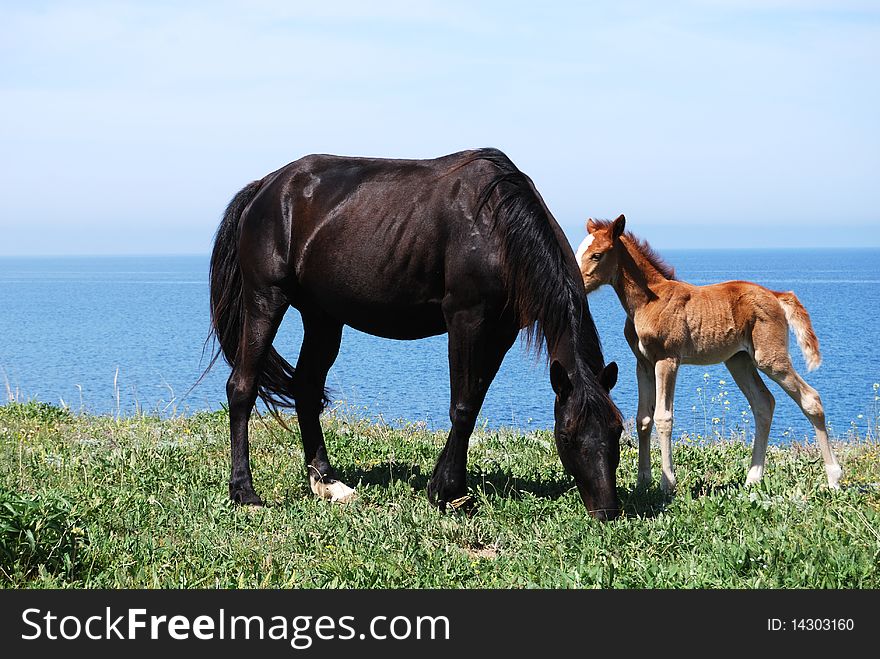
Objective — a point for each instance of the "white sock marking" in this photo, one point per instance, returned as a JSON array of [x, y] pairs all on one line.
[[334, 491], [834, 473], [755, 474]]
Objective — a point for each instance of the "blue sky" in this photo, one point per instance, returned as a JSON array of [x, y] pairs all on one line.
[[127, 126]]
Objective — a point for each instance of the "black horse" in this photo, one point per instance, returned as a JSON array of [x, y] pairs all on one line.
[[406, 249]]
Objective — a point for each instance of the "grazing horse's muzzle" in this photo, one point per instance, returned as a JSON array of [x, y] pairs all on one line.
[[604, 508], [606, 514]]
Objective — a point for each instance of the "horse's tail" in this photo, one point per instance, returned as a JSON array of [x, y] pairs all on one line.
[[227, 306], [799, 321]]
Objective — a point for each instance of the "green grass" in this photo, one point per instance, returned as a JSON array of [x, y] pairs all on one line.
[[140, 502]]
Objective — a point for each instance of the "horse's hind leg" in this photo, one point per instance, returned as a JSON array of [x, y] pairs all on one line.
[[782, 372], [262, 316], [321, 338], [665, 372], [746, 376], [475, 353]]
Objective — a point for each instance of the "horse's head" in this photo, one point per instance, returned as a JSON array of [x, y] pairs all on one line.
[[588, 437], [597, 256]]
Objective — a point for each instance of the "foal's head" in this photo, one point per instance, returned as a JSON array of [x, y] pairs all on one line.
[[599, 253]]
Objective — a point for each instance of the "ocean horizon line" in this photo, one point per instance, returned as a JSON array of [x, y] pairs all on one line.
[[763, 248]]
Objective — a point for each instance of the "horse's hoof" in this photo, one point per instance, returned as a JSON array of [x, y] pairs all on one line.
[[463, 504], [644, 481], [834, 473], [442, 496], [433, 498], [754, 476], [246, 498], [667, 485], [332, 490]]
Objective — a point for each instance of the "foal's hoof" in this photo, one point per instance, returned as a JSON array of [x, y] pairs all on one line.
[[245, 498], [754, 476], [834, 472], [332, 490], [667, 484]]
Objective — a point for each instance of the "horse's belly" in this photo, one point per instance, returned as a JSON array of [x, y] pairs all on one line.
[[398, 323], [708, 359], [713, 355], [388, 300], [390, 319], [712, 334]]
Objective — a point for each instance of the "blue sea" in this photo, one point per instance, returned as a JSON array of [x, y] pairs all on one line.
[[117, 335]]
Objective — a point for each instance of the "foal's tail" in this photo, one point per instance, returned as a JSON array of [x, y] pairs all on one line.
[[227, 306], [799, 321]]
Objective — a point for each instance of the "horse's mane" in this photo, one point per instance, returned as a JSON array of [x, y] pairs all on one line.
[[642, 247], [544, 292], [651, 255]]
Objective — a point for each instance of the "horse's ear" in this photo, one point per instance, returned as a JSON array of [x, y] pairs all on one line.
[[618, 227], [560, 381], [608, 376], [591, 225]]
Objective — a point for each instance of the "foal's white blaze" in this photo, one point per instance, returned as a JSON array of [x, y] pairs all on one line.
[[335, 491], [585, 245]]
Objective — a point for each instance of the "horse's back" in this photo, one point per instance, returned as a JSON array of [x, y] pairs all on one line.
[[707, 324], [355, 194], [370, 240]]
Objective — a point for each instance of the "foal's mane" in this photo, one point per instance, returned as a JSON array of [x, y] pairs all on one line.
[[546, 295], [642, 247]]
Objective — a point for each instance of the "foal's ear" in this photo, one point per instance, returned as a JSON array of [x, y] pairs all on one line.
[[618, 227], [560, 381], [608, 376], [591, 225]]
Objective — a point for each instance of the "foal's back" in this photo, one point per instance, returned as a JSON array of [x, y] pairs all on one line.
[[709, 324]]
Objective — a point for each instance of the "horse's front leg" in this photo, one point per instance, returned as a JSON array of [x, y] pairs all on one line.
[[647, 399], [645, 418], [476, 349], [665, 371]]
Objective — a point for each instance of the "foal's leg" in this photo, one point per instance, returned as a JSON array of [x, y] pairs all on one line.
[[263, 315], [647, 399], [645, 418], [807, 398], [475, 353], [320, 345], [744, 373], [665, 371]]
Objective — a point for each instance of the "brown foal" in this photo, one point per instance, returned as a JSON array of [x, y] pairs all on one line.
[[671, 322]]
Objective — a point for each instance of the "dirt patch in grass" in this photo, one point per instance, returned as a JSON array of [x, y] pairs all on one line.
[[478, 550]]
